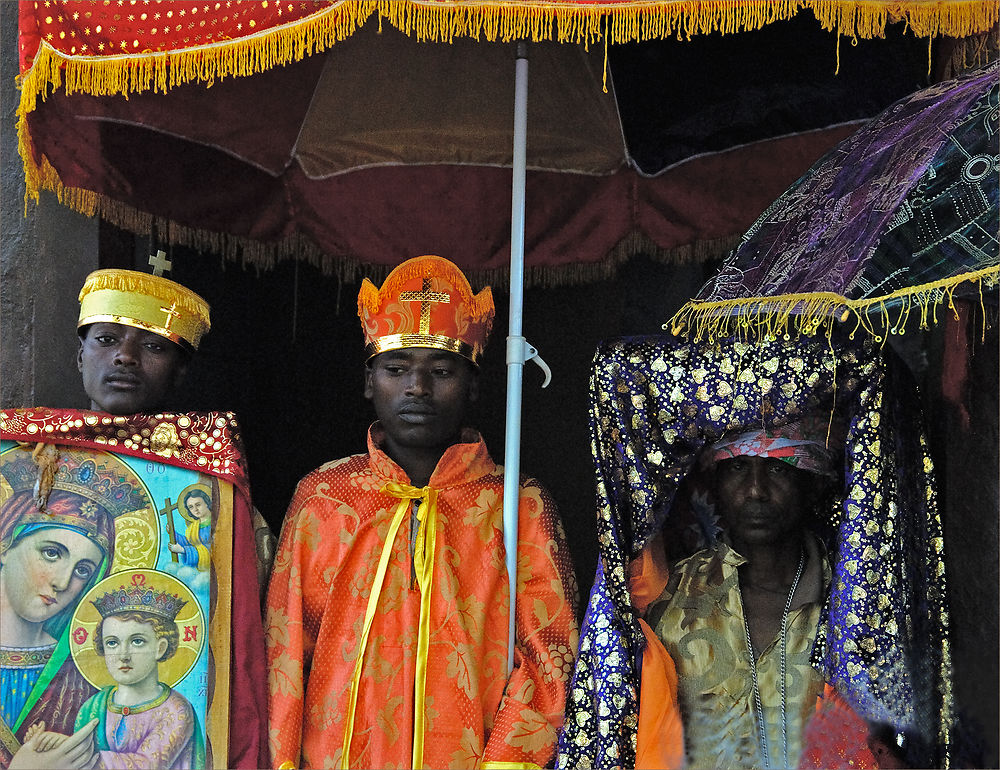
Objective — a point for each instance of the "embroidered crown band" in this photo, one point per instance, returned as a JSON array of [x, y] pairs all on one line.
[[145, 301], [139, 599]]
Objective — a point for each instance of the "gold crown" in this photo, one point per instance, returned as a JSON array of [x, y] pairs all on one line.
[[139, 598], [145, 301]]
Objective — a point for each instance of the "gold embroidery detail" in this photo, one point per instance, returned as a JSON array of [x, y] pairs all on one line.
[[164, 440]]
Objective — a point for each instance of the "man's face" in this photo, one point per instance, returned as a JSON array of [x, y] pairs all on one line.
[[421, 396], [761, 500], [127, 370]]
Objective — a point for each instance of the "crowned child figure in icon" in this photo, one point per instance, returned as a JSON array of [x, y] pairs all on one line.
[[142, 721], [194, 546]]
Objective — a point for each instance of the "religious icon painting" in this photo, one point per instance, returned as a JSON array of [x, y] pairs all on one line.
[[115, 573]]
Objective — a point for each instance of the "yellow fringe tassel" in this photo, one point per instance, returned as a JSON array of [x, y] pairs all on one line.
[[499, 20], [443, 22], [135, 282], [789, 315], [350, 269], [438, 21]]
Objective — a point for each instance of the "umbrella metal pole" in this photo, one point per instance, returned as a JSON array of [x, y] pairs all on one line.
[[515, 341]]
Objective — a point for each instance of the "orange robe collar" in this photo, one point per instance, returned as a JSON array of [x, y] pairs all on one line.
[[460, 463]]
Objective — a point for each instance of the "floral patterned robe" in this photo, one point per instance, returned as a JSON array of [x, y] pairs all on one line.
[[324, 572], [166, 736]]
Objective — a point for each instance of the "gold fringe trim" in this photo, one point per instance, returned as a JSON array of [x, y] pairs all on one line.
[[503, 20], [438, 21], [261, 256], [869, 18], [638, 21], [794, 315], [158, 71], [128, 74], [972, 53], [135, 282], [635, 244]]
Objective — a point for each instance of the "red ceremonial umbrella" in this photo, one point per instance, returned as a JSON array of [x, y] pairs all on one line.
[[347, 145]]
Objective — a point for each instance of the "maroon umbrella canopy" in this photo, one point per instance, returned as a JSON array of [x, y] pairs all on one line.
[[383, 147]]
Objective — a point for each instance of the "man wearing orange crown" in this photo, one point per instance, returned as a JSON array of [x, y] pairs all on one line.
[[388, 607]]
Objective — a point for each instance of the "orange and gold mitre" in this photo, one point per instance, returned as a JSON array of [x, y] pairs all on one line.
[[139, 598], [426, 302], [145, 301]]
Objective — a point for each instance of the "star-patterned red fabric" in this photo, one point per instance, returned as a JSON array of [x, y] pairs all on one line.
[[116, 27]]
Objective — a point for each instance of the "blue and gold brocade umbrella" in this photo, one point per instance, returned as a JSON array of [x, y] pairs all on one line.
[[893, 221], [656, 401]]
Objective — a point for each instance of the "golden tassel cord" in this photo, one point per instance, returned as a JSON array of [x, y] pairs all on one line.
[[789, 315]]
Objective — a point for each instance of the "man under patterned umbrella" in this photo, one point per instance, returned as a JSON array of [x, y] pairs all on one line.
[[873, 635]]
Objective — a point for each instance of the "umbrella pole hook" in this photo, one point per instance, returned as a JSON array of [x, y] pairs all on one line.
[[520, 351]]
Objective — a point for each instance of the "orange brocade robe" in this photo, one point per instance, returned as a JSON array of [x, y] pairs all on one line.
[[324, 572]]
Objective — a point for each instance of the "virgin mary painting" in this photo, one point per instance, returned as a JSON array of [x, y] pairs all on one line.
[[55, 544]]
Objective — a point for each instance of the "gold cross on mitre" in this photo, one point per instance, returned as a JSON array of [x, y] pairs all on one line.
[[425, 297], [160, 262], [171, 314]]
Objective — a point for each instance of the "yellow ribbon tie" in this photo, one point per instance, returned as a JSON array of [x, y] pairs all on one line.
[[423, 561]]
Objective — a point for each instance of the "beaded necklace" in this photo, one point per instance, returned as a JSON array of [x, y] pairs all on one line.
[[782, 662]]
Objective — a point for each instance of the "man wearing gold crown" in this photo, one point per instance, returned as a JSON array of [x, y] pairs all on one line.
[[388, 608], [137, 333]]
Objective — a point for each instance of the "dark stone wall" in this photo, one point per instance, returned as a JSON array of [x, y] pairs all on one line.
[[44, 258]]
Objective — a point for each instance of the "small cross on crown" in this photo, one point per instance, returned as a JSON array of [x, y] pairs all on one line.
[[160, 263]]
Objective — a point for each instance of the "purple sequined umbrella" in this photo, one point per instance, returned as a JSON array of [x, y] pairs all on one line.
[[894, 220]]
